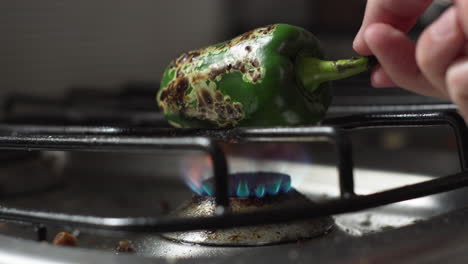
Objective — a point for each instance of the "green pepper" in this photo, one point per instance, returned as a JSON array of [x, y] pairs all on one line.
[[269, 76]]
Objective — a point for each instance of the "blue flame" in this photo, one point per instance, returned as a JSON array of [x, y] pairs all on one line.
[[242, 189], [260, 191], [286, 184], [207, 190], [274, 188], [196, 188], [257, 184]]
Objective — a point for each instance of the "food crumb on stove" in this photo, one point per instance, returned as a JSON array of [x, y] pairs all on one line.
[[367, 222], [124, 247], [65, 239], [387, 227]]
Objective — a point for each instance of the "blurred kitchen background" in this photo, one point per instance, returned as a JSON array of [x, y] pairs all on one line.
[[50, 45]]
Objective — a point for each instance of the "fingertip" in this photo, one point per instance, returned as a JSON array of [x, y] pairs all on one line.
[[457, 80], [378, 34], [457, 85], [360, 46], [357, 43], [374, 36]]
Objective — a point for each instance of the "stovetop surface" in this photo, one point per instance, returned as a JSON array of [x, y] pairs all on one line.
[[103, 193]]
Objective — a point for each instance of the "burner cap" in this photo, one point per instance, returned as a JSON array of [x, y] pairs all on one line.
[[201, 206]]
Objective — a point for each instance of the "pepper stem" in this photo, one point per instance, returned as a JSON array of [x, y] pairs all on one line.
[[312, 71]]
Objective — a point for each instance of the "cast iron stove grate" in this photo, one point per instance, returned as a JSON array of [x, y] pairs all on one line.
[[149, 140]]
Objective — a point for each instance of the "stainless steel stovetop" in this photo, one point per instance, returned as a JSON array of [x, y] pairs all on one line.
[[368, 235]]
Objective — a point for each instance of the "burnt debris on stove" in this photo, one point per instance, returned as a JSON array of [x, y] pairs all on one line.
[[249, 192], [204, 206]]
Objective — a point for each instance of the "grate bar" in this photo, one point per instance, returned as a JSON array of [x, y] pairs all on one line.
[[408, 119], [338, 136], [35, 141], [228, 220], [41, 232], [153, 140]]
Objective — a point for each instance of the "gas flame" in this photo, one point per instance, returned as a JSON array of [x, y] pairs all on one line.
[[257, 179], [196, 169], [270, 157], [255, 184]]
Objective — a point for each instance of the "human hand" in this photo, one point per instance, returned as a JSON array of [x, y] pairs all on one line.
[[437, 65]]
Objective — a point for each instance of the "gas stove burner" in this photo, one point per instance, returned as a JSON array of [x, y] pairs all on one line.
[[246, 184], [201, 206]]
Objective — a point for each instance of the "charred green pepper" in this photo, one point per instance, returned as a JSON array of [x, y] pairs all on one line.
[[269, 76]]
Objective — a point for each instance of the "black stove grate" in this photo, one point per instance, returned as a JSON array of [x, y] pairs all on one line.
[[149, 140]]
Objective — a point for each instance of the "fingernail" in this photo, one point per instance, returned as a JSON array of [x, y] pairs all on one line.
[[444, 27]]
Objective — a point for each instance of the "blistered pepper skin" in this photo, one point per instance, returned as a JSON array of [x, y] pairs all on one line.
[[251, 80]]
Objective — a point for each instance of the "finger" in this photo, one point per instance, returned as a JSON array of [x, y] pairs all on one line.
[[396, 54], [457, 85], [380, 79], [462, 9], [401, 14], [439, 45]]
